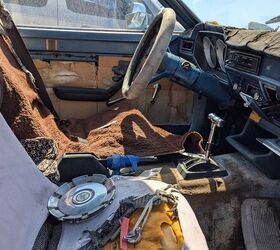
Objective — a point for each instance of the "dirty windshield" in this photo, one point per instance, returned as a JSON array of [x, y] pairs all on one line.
[[252, 14]]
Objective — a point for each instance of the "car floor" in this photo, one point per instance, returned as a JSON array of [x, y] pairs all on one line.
[[217, 201]]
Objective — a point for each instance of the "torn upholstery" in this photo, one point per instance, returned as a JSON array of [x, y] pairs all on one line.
[[130, 133]]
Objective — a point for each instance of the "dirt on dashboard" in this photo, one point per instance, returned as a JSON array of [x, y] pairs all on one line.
[[261, 41], [119, 130]]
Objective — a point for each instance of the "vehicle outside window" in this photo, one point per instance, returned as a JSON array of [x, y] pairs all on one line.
[[33, 12], [252, 14], [85, 14], [31, 3]]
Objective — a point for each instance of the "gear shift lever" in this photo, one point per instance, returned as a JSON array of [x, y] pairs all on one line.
[[215, 122], [201, 165]]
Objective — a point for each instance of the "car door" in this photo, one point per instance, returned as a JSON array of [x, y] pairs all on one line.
[[77, 50]]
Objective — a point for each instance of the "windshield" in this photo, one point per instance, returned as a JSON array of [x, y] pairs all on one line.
[[253, 14]]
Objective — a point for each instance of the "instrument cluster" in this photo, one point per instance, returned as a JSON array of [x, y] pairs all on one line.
[[215, 53], [210, 53]]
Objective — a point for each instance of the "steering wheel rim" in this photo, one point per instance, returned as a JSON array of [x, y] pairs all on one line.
[[134, 83]]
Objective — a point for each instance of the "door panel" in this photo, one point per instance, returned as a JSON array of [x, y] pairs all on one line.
[[77, 74], [71, 74], [173, 99]]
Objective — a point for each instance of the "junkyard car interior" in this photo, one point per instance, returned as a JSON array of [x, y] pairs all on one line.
[[149, 90]]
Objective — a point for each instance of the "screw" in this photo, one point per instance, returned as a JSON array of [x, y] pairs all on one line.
[[186, 65]]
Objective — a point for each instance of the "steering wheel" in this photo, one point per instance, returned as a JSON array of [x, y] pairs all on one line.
[[149, 54]]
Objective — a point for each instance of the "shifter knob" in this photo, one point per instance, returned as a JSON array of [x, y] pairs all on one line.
[[216, 121], [219, 122]]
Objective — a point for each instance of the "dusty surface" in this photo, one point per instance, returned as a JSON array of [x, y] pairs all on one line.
[[129, 132], [261, 41], [217, 201]]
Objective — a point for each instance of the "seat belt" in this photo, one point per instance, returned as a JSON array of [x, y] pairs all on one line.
[[27, 61]]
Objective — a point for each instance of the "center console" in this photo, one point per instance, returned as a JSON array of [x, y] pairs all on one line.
[[255, 80], [256, 83]]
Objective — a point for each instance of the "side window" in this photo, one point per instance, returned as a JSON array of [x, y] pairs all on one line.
[[33, 12], [102, 8], [85, 14], [106, 14], [31, 3]]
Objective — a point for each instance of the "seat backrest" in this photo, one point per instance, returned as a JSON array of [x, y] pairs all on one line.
[[24, 56], [1, 95], [24, 193], [22, 108]]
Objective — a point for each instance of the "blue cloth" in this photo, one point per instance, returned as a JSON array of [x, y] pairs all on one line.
[[117, 162]]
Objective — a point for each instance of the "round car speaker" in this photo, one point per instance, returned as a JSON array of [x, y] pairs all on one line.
[[81, 198]]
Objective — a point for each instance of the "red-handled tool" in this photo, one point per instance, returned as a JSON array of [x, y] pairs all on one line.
[[123, 233]]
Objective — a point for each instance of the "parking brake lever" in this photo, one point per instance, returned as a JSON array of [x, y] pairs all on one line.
[[157, 88]]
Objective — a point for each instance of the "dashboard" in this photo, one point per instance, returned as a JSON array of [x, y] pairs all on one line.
[[207, 49], [212, 60], [251, 77]]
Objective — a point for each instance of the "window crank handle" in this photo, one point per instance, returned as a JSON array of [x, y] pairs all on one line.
[[157, 88]]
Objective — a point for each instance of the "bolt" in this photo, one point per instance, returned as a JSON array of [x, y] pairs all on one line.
[[186, 65]]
